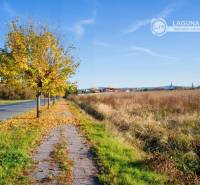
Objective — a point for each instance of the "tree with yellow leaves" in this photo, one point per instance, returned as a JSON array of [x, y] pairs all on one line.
[[60, 68], [39, 60]]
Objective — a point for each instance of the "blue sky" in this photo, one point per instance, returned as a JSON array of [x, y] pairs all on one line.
[[114, 41]]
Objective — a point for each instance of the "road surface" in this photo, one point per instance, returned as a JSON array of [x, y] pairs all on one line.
[[12, 110]]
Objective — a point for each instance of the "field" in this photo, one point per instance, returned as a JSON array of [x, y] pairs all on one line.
[[164, 124]]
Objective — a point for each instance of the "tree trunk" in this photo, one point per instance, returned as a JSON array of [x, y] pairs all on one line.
[[48, 101], [38, 105], [53, 100], [44, 101]]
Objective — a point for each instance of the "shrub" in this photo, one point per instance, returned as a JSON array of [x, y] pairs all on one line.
[[15, 93]]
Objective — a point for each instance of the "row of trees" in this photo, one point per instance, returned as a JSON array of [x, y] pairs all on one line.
[[34, 57]]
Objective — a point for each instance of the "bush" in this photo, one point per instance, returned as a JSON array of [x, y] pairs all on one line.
[[15, 93]]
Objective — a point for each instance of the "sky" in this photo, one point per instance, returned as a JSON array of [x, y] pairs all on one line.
[[113, 39]]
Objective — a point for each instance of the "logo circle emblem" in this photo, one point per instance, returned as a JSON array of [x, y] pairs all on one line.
[[158, 27]]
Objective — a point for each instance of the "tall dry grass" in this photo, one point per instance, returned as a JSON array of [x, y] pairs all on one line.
[[161, 122]]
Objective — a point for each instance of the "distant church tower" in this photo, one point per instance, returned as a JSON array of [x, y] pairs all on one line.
[[192, 86]]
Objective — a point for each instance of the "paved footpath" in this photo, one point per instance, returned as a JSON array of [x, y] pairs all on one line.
[[84, 169], [46, 169]]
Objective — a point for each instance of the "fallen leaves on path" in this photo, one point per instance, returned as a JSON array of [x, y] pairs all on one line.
[[19, 137]]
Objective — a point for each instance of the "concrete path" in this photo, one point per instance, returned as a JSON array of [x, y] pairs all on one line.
[[84, 169], [12, 110], [46, 169]]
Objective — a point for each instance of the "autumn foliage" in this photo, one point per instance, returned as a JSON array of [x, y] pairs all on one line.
[[33, 56]]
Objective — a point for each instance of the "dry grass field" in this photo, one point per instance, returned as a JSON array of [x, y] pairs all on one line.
[[164, 124]]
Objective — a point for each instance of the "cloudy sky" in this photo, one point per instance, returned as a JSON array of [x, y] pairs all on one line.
[[113, 38]]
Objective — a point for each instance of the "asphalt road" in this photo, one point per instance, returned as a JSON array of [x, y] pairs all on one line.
[[12, 110]]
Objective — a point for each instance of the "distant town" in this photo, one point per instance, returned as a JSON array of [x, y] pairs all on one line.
[[111, 89]]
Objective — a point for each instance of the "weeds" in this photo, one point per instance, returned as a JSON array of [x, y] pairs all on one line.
[[165, 122], [118, 162], [65, 164]]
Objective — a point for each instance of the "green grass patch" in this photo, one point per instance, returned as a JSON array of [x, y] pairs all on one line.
[[5, 102], [19, 137], [15, 146], [119, 163]]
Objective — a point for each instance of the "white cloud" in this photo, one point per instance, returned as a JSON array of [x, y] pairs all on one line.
[[79, 27], [100, 43], [135, 50], [163, 14], [137, 25]]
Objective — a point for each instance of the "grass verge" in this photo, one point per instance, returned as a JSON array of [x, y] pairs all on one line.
[[18, 138], [6, 102], [119, 163]]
